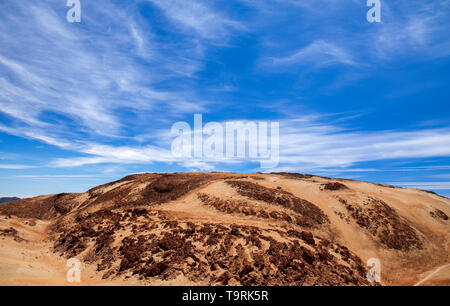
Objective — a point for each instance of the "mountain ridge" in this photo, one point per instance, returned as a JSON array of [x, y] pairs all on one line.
[[242, 229], [8, 199]]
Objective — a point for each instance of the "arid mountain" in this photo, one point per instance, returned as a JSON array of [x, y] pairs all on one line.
[[228, 229], [8, 199]]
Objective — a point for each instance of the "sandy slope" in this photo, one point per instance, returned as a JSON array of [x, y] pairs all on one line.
[[31, 262], [414, 205], [28, 258]]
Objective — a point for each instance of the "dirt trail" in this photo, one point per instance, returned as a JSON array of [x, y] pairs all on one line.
[[433, 273]]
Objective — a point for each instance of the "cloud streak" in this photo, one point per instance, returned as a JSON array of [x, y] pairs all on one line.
[[196, 16], [323, 145], [319, 53], [60, 75], [15, 167], [306, 143]]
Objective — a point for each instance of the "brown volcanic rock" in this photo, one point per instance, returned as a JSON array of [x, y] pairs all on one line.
[[11, 232], [242, 254], [159, 188], [385, 224], [232, 229], [310, 214], [437, 213], [44, 208], [334, 186]]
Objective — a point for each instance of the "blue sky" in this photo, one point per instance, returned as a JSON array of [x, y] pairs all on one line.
[[86, 103]]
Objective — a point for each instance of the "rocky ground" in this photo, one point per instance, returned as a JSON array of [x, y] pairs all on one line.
[[228, 229]]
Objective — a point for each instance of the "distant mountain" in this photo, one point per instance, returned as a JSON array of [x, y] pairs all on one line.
[[7, 200]]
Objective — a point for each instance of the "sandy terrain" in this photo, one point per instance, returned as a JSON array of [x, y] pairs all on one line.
[[228, 229]]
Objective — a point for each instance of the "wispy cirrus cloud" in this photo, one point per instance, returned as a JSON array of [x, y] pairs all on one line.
[[13, 166], [317, 54], [424, 185], [409, 30], [320, 145], [305, 143], [60, 75], [102, 154], [200, 18]]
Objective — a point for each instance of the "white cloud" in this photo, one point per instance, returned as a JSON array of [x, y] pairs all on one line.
[[50, 176], [305, 143], [15, 167], [196, 16], [86, 76], [412, 30], [322, 145], [424, 185], [319, 53], [198, 165], [101, 154]]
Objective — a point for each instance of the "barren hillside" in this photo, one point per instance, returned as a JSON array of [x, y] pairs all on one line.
[[228, 229]]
